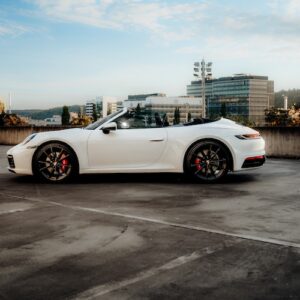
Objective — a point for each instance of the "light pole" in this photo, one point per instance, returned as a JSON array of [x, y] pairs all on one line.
[[205, 74]]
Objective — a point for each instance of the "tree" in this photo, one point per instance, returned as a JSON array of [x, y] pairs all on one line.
[[189, 117], [165, 120], [176, 116], [276, 117], [94, 114], [138, 109], [223, 110], [2, 119], [2, 107], [241, 120], [65, 116], [294, 116], [81, 121], [158, 120]]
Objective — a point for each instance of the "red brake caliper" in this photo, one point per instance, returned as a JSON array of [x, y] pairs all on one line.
[[64, 164], [197, 163]]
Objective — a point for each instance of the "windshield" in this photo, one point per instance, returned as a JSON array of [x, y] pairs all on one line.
[[102, 121]]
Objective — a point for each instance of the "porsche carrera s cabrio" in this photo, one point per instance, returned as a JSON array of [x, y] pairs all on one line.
[[128, 141]]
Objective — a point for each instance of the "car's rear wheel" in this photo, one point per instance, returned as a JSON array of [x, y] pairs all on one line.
[[207, 161], [55, 162]]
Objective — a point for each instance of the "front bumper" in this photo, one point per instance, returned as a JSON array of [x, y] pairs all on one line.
[[19, 159], [11, 161]]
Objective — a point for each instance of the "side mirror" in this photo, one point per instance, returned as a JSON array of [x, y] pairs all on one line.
[[109, 127]]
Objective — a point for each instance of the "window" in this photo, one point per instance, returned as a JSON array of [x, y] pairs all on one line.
[[134, 120], [102, 121]]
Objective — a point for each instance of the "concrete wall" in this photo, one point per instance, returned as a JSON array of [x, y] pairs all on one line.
[[280, 142], [15, 135]]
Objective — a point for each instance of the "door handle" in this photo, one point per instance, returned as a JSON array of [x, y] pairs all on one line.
[[157, 140]]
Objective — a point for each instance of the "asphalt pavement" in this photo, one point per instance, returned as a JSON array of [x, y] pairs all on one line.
[[155, 236]]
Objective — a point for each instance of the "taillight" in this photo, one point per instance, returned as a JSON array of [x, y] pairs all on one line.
[[250, 136]]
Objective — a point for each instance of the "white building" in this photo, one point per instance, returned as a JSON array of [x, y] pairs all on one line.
[[134, 100], [109, 105], [188, 106], [89, 108], [103, 105], [55, 120]]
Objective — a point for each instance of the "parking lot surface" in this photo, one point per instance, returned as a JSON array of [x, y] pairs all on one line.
[[154, 236]]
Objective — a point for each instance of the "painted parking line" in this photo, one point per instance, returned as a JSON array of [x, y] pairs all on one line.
[[12, 211], [104, 289], [161, 222]]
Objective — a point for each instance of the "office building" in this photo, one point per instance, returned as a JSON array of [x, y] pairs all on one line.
[[242, 95]]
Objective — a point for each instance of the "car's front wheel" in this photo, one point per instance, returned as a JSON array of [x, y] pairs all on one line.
[[54, 162], [207, 161]]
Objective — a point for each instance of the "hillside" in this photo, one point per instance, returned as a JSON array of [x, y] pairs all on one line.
[[39, 114], [293, 97]]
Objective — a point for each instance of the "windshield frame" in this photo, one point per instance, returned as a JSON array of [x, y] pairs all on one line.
[[105, 120]]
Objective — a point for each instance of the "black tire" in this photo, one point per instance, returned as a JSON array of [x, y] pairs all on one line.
[[55, 162], [207, 161]]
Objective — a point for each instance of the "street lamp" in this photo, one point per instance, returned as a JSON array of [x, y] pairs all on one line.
[[205, 74]]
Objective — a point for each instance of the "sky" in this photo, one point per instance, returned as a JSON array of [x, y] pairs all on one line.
[[63, 52]]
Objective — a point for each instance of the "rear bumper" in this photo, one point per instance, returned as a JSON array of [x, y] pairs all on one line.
[[249, 154], [254, 161]]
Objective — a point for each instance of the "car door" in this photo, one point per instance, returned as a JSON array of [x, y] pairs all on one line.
[[132, 146]]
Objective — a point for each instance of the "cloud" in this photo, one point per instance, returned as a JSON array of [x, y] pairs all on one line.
[[286, 10], [263, 48], [238, 23], [175, 21], [170, 21], [12, 29]]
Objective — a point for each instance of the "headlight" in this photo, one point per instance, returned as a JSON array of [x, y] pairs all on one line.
[[29, 138], [251, 136]]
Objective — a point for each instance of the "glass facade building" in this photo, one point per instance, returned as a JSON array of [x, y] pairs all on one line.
[[242, 95]]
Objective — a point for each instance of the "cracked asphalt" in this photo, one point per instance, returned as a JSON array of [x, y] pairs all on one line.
[[154, 236]]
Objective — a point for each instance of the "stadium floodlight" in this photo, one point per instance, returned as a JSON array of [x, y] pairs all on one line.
[[206, 73]]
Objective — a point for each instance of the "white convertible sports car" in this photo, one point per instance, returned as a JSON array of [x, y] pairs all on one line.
[[129, 141]]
